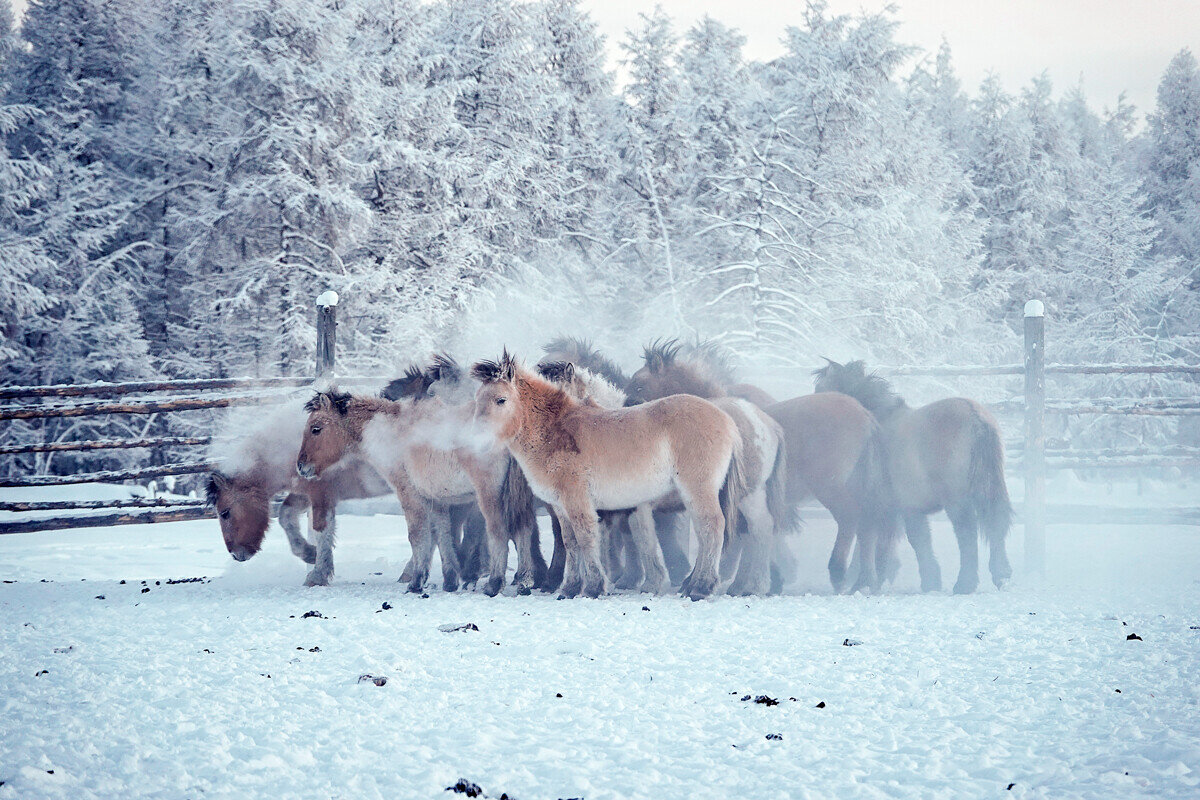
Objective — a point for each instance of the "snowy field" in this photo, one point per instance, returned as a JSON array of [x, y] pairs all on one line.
[[115, 682]]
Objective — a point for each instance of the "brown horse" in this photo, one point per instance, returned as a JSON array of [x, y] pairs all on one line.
[[833, 448], [424, 451], [945, 455], [260, 468], [582, 353], [764, 509], [581, 458]]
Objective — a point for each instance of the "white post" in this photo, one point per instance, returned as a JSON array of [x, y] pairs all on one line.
[[326, 332]]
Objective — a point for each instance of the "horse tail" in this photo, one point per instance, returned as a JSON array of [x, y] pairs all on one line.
[[871, 483], [519, 512], [985, 481], [516, 500], [734, 488], [781, 513]]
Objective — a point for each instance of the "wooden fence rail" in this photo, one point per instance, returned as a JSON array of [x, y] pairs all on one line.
[[107, 444]]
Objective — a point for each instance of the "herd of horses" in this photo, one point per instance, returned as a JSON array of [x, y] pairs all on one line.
[[627, 466]]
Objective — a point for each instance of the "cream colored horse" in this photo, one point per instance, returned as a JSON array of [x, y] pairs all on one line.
[[581, 458]]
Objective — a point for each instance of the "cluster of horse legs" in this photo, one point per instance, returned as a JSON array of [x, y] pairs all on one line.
[[628, 467]]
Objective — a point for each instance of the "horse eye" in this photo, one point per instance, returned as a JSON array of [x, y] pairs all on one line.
[[315, 430], [501, 401], [225, 514]]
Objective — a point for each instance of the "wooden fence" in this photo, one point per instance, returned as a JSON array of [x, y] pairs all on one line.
[[1036, 459], [152, 397]]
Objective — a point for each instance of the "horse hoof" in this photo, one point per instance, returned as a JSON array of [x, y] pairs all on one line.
[[931, 586], [317, 579], [450, 582], [524, 590], [493, 586], [1001, 583], [965, 588], [416, 585]]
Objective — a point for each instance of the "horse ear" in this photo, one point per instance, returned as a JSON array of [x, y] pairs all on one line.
[[318, 402], [217, 482], [660, 353], [341, 401], [485, 371], [508, 366], [557, 371], [858, 366]]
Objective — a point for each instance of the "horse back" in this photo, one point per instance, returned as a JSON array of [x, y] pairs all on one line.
[[929, 451], [825, 435]]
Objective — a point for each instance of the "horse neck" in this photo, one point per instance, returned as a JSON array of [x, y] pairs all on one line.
[[543, 408], [893, 410], [365, 409], [695, 381], [267, 476]]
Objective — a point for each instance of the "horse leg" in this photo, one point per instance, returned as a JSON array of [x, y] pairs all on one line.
[[847, 528], [666, 525], [916, 528], [497, 539], [754, 575], [558, 561], [648, 550], [709, 521], [527, 565], [443, 532], [325, 522], [633, 572], [868, 575], [996, 531], [732, 551], [966, 530], [585, 525], [469, 553], [783, 564], [294, 505]]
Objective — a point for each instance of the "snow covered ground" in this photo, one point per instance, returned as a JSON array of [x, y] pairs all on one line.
[[224, 688]]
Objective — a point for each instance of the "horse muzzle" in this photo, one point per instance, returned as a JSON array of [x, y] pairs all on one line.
[[240, 553], [306, 470]]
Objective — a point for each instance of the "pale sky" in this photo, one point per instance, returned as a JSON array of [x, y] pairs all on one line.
[[1114, 44]]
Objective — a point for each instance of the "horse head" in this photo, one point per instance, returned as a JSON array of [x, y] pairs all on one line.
[[498, 401], [328, 434], [665, 373], [242, 511]]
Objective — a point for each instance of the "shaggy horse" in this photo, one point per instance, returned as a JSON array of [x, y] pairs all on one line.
[[580, 458], [260, 468], [667, 525], [764, 509], [945, 455], [419, 446], [622, 561], [834, 452]]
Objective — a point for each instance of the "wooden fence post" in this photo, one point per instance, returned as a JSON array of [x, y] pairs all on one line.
[[1034, 456], [326, 332]]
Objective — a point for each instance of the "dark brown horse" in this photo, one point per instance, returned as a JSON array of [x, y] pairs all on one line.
[[945, 455], [667, 525], [833, 445]]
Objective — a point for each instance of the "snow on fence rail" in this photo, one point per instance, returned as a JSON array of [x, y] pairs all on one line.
[[1033, 456]]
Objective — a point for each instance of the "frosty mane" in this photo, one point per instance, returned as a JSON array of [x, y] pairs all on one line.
[[868, 388], [582, 353], [414, 384]]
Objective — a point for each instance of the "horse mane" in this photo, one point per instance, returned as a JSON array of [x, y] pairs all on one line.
[[414, 384], [338, 401], [869, 388], [582, 353], [591, 386], [444, 368], [715, 361], [660, 354], [503, 369]]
